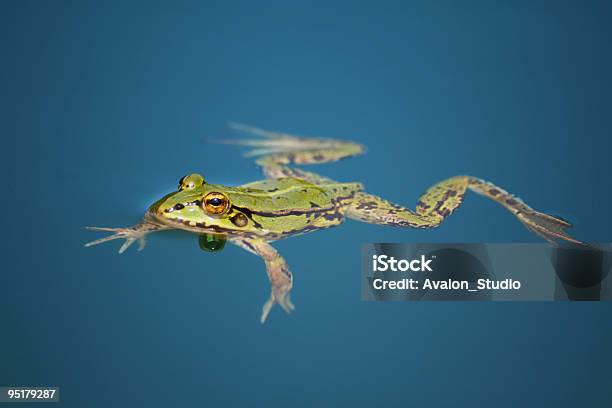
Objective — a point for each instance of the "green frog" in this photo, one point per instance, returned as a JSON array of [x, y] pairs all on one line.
[[291, 201]]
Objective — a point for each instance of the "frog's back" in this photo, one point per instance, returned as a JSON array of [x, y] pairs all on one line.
[[293, 194], [291, 206]]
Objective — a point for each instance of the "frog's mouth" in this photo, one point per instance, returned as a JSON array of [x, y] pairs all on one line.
[[191, 225]]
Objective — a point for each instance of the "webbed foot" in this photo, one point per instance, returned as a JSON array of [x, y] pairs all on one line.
[[130, 235], [283, 148], [281, 279], [284, 302], [548, 227]]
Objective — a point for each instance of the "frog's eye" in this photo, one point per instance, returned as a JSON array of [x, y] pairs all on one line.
[[215, 203], [190, 181]]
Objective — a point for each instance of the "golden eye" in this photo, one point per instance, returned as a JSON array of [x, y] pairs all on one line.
[[215, 203]]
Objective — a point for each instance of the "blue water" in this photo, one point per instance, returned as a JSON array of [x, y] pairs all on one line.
[[106, 105]]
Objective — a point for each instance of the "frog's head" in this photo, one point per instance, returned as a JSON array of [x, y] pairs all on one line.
[[200, 205]]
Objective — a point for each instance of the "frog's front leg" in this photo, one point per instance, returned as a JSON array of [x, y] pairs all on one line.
[[131, 234], [280, 277]]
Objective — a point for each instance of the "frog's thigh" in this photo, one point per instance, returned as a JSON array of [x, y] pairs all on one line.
[[278, 271], [437, 203], [375, 210]]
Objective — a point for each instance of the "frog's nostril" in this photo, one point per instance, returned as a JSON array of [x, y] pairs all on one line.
[[179, 206]]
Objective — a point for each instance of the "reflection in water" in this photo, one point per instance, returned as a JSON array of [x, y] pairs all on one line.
[[211, 243]]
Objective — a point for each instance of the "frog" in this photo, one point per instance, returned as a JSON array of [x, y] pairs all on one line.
[[291, 201]]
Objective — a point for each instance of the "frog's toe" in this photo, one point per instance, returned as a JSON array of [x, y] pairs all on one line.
[[265, 311], [283, 301], [128, 242], [142, 242], [117, 235], [286, 304], [129, 235], [548, 227]]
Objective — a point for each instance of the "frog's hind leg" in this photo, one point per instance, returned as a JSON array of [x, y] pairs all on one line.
[[442, 199], [432, 208], [277, 150], [281, 279]]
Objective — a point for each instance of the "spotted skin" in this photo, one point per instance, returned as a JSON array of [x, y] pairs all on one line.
[[292, 201]]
